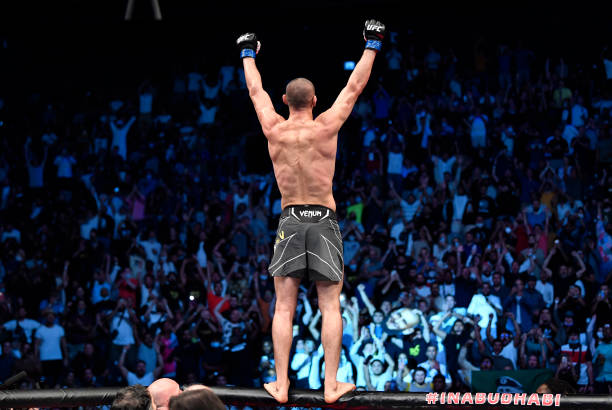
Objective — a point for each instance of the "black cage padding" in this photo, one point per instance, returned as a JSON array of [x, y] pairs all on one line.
[[259, 397]]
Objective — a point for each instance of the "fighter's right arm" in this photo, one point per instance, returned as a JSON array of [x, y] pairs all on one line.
[[249, 47], [373, 33]]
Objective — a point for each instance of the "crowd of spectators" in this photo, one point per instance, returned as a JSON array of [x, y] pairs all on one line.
[[474, 199]]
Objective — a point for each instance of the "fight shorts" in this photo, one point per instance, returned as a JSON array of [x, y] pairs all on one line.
[[308, 244]]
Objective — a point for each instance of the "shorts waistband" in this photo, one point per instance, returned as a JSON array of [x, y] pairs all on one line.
[[309, 213]]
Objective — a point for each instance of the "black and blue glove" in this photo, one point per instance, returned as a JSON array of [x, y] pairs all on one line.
[[248, 44], [374, 33]]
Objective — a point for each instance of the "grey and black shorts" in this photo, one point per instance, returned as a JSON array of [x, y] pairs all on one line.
[[308, 244]]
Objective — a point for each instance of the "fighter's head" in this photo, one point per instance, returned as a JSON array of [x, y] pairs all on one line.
[[300, 94]]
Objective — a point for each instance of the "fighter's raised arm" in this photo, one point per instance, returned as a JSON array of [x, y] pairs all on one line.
[[249, 47], [373, 33]]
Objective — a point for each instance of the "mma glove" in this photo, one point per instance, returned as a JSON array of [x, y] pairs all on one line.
[[248, 44], [373, 33]]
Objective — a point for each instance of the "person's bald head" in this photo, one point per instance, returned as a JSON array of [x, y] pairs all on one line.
[[300, 94], [162, 390]]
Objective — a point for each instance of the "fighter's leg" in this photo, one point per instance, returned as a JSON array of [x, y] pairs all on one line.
[[282, 334], [331, 337]]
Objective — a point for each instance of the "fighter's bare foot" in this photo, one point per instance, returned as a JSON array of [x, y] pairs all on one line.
[[280, 393], [333, 393]]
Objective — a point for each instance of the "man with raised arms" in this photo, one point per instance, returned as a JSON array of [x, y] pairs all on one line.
[[308, 242]]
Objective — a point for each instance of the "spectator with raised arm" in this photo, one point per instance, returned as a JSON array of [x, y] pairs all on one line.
[[140, 374], [375, 373]]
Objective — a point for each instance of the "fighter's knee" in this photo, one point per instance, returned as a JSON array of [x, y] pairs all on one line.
[[284, 309], [329, 307]]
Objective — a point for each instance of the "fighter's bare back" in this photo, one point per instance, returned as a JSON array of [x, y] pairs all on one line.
[[303, 153]]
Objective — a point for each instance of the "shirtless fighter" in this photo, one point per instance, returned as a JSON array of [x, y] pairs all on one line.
[[308, 242]]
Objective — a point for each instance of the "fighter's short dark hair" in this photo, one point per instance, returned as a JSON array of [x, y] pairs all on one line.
[[299, 93], [134, 397], [196, 399]]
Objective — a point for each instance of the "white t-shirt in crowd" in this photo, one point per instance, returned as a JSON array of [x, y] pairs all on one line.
[[455, 87], [608, 67], [395, 163], [145, 293], [396, 231], [459, 203], [579, 114], [569, 133], [409, 210], [148, 355], [28, 326], [87, 227], [125, 335], [194, 81], [145, 380], [49, 138], [442, 167], [228, 327], [344, 373], [301, 363], [394, 59], [146, 103], [547, 290], [50, 338], [478, 127], [431, 373], [226, 73], [378, 382], [244, 199], [152, 250], [201, 255], [120, 136], [96, 293], [479, 306], [423, 291], [36, 175], [509, 352], [207, 115], [351, 247], [14, 233], [368, 137], [64, 166], [210, 93], [432, 60]]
